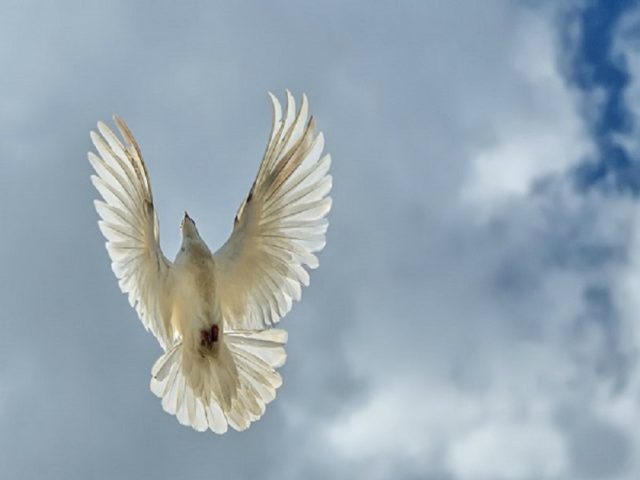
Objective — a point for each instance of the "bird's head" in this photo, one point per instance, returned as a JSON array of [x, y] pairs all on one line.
[[188, 228]]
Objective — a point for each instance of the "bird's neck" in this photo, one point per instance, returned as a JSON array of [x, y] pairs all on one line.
[[194, 247]]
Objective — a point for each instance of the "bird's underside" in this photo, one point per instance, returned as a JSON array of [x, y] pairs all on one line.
[[213, 313]]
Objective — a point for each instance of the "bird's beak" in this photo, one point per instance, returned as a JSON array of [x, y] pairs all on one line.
[[184, 219]]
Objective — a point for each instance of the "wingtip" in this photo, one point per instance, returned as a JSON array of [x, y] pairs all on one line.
[[277, 113], [104, 130], [275, 103], [94, 137], [122, 126], [97, 203], [329, 204], [290, 97]]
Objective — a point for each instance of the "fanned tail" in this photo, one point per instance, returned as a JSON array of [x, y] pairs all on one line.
[[232, 388]]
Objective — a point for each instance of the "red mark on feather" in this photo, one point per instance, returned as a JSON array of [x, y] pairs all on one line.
[[209, 337], [214, 333]]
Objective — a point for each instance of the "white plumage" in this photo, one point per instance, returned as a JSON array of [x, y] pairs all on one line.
[[213, 313]]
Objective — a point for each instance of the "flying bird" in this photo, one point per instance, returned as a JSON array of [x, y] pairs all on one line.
[[214, 313]]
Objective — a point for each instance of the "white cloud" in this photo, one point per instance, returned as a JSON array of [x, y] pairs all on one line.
[[542, 133], [483, 380], [510, 450]]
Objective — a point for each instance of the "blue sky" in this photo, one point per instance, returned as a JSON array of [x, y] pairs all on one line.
[[594, 66], [475, 313]]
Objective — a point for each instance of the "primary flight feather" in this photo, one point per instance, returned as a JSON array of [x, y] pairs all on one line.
[[213, 314]]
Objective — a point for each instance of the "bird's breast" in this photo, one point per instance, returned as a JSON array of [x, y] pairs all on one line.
[[193, 296]]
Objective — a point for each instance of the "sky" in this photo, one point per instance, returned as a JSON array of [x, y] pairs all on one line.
[[476, 313]]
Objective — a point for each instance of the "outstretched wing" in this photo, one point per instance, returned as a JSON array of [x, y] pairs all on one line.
[[130, 225], [279, 226]]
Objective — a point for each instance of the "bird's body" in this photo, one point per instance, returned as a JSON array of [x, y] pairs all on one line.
[[191, 285], [213, 313]]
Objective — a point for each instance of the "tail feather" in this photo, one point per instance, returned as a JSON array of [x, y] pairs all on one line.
[[230, 389], [266, 345]]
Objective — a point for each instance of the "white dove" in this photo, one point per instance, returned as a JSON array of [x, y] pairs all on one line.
[[212, 313]]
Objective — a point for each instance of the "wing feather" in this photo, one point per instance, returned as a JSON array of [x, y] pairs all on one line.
[[279, 226], [130, 226]]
